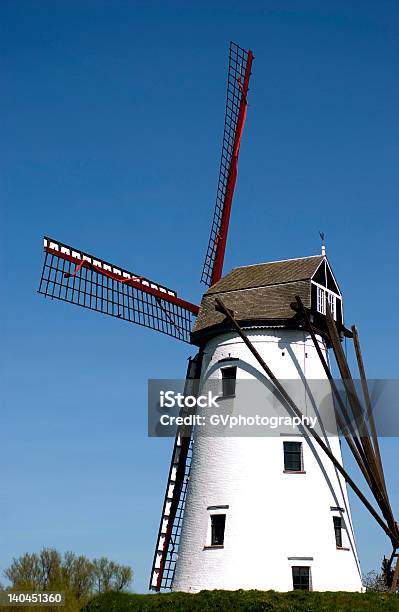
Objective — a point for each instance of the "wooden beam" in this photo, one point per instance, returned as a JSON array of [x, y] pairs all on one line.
[[354, 445], [393, 536], [377, 487], [395, 579], [341, 328], [370, 414], [358, 453]]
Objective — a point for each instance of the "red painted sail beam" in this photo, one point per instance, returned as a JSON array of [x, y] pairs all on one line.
[[232, 177], [140, 282]]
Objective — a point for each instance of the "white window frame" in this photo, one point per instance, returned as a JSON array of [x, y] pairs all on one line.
[[332, 302], [324, 294], [321, 300]]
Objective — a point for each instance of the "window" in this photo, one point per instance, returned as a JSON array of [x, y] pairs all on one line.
[[322, 296], [229, 375], [321, 300], [216, 526], [331, 303], [293, 457], [301, 578], [218, 522], [338, 530]]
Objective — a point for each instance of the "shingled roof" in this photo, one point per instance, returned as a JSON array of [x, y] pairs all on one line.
[[258, 294]]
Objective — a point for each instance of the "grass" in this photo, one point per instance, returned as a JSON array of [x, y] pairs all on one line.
[[248, 601]]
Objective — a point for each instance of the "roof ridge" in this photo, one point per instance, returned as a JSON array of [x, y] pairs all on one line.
[[291, 282], [264, 263]]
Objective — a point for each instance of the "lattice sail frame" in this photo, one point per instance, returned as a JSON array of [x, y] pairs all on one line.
[[239, 72], [164, 566], [170, 528], [73, 276]]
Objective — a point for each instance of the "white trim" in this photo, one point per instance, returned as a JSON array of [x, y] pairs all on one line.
[[99, 263], [333, 275], [332, 303], [325, 288], [328, 296], [325, 273], [321, 300]]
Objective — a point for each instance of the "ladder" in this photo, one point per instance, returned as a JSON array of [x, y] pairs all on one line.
[[167, 546]]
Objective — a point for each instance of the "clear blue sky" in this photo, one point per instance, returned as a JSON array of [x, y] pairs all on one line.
[[112, 118]]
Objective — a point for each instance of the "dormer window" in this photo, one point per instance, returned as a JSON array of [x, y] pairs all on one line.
[[321, 300], [325, 296], [332, 302], [325, 291]]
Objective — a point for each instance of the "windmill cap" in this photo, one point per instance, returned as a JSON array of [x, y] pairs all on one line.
[[258, 294]]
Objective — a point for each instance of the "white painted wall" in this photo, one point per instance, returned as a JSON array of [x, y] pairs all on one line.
[[272, 517]]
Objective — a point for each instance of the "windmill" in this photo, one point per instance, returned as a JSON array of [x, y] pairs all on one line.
[[227, 519]]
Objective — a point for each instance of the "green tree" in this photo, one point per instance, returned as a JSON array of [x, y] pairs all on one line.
[[379, 582], [77, 576], [24, 572], [374, 582], [78, 573], [110, 576]]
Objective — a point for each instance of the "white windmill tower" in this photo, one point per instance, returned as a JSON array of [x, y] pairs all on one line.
[[245, 512], [258, 513], [267, 512]]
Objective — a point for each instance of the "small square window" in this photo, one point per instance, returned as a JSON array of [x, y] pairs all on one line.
[[218, 523], [301, 578], [338, 530], [229, 376], [293, 457]]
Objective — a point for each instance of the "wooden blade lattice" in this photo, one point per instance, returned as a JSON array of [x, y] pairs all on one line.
[[75, 277], [168, 540], [239, 71]]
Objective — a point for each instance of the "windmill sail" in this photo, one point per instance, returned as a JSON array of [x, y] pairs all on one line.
[[78, 278], [167, 546], [239, 72]]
